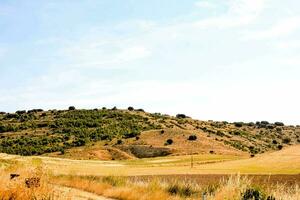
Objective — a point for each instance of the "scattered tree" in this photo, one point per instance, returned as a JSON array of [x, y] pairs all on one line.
[[192, 137], [130, 108], [72, 108], [169, 142]]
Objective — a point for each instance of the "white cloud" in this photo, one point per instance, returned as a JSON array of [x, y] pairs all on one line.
[[282, 28], [288, 44], [104, 54], [291, 62], [240, 13], [205, 4], [198, 99], [246, 7]]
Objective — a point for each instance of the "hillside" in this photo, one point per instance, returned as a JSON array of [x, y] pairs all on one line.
[[113, 134]]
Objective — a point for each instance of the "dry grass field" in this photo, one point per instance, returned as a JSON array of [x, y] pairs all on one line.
[[286, 161], [157, 178]]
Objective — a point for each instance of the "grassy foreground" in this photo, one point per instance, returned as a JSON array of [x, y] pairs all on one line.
[[117, 179]]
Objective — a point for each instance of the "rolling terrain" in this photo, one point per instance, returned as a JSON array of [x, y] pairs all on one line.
[[286, 161], [276, 173], [133, 155], [113, 134]]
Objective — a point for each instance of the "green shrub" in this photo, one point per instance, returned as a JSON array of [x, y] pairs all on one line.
[[21, 112], [286, 140], [192, 137], [130, 108], [169, 142], [72, 108], [238, 124], [130, 135], [220, 133], [253, 194], [181, 189], [279, 123], [119, 142], [181, 116]]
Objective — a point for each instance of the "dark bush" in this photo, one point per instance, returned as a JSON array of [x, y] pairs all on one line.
[[169, 142], [35, 111], [286, 140], [130, 135], [250, 124], [72, 108], [192, 137], [114, 108], [279, 124], [238, 124], [274, 142], [220, 133], [140, 110], [62, 151], [162, 131], [253, 193], [11, 116], [173, 189], [211, 152], [271, 198], [270, 126], [180, 189], [21, 112], [265, 122], [119, 142], [181, 116], [130, 108], [279, 146]]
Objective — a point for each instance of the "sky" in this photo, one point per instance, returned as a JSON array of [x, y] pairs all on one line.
[[233, 60]]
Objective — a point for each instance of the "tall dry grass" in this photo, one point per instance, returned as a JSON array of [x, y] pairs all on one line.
[[284, 192], [16, 189], [116, 187], [233, 188], [236, 186]]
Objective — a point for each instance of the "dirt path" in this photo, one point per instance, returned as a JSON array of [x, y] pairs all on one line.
[[62, 192]]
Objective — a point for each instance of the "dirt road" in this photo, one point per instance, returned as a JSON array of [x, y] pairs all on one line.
[[67, 193]]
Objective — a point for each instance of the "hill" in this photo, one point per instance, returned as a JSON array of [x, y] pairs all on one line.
[[110, 134]]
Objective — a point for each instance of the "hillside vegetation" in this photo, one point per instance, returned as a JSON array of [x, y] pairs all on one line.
[[123, 134]]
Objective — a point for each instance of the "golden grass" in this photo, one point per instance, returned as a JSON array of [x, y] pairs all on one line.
[[16, 188], [286, 161], [232, 189], [118, 191], [123, 188]]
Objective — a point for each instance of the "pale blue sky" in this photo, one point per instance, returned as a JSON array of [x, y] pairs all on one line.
[[235, 60]]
